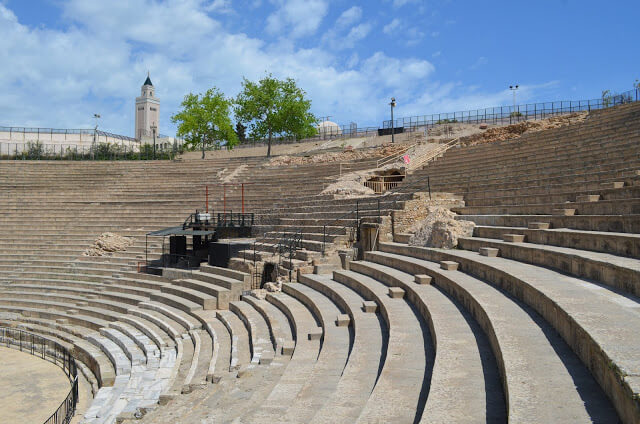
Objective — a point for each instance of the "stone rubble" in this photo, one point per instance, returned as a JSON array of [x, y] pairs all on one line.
[[108, 243], [440, 229]]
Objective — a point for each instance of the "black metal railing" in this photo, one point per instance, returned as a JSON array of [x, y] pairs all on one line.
[[222, 220], [288, 245], [51, 351], [502, 115]]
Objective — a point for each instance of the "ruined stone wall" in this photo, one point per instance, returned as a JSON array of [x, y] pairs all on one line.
[[417, 209]]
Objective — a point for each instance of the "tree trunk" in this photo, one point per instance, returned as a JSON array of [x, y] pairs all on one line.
[[269, 146]]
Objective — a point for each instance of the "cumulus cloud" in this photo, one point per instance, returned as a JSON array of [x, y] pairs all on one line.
[[97, 58], [391, 26], [349, 17], [298, 18]]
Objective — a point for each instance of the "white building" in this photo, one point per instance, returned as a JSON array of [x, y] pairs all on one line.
[[147, 111]]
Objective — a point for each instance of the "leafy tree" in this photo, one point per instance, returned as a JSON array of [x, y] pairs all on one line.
[[204, 120], [275, 107], [241, 132]]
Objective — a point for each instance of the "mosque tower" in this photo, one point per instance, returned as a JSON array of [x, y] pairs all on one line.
[[147, 111]]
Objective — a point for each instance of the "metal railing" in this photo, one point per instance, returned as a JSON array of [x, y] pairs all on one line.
[[51, 351], [384, 183], [394, 157], [502, 115], [43, 132], [432, 154]]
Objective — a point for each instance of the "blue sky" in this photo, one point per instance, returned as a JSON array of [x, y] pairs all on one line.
[[64, 60]]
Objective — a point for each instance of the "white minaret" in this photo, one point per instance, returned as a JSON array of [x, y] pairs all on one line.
[[147, 110]]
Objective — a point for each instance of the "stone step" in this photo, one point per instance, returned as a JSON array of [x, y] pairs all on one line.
[[585, 309]]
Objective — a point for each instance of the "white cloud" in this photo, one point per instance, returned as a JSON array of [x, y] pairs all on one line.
[[349, 17], [356, 34], [96, 64], [481, 61], [298, 18], [400, 3], [219, 6], [391, 26]]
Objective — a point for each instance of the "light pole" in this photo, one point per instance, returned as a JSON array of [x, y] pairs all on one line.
[[514, 88], [153, 131], [96, 117], [392, 104]]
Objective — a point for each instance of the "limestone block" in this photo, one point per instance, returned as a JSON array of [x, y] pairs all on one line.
[[214, 378], [165, 398], [323, 269], [343, 320], [396, 293], [539, 225], [449, 265], [62, 321], [423, 279], [266, 358], [288, 348], [244, 371], [613, 184], [72, 311], [315, 334], [563, 212], [369, 306], [588, 198], [513, 238], [489, 251]]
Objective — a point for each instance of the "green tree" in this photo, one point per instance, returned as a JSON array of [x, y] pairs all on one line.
[[275, 107], [205, 120], [241, 132]]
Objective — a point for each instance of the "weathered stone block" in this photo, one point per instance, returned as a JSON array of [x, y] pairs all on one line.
[[266, 358], [323, 269], [343, 320], [315, 334], [449, 265], [288, 348], [423, 279], [613, 184], [369, 306], [539, 225], [490, 252], [214, 378], [396, 293], [563, 212], [588, 198], [513, 238]]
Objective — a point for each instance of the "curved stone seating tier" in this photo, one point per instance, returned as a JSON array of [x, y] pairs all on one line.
[[401, 390], [582, 313]]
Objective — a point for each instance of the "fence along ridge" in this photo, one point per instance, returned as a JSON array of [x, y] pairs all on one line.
[[517, 112]]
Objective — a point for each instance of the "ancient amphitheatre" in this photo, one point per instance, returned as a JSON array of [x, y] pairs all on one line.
[[531, 318]]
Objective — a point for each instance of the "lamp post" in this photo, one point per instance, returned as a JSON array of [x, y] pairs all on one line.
[[392, 104], [153, 131], [96, 117], [514, 88]]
